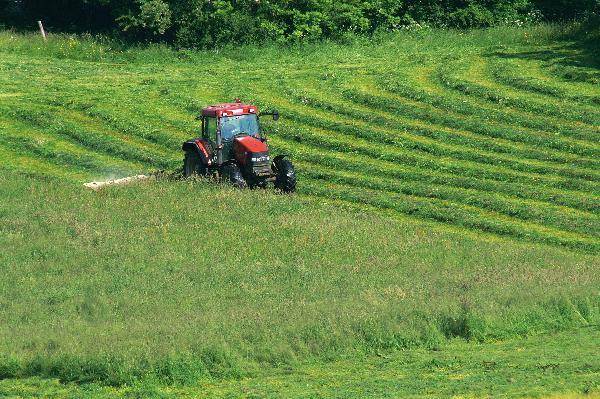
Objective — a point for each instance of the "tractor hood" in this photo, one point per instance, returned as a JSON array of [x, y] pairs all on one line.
[[250, 150], [249, 144]]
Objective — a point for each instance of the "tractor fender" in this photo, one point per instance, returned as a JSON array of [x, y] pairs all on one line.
[[202, 147]]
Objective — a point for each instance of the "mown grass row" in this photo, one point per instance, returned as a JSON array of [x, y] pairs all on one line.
[[61, 153], [453, 76], [426, 185], [443, 129], [527, 77], [328, 135], [404, 172], [136, 125], [561, 218], [412, 104], [590, 162], [434, 140], [430, 84], [364, 141], [572, 73], [312, 100], [46, 121], [426, 129], [472, 133], [29, 165], [442, 211], [512, 124]]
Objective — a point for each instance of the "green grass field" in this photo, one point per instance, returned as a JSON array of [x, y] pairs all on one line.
[[494, 131], [444, 240]]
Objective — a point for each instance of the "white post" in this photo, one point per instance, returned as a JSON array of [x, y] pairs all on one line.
[[42, 30]]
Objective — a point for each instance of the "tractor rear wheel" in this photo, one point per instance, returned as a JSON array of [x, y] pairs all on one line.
[[285, 175], [192, 164], [234, 175]]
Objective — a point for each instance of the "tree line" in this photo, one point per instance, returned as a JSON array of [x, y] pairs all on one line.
[[213, 23]]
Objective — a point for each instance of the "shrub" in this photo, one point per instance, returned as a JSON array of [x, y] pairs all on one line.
[[202, 24]]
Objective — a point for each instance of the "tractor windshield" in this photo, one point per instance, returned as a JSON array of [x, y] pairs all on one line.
[[232, 125]]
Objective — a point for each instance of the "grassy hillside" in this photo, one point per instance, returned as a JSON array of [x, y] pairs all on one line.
[[179, 280], [448, 200], [494, 131]]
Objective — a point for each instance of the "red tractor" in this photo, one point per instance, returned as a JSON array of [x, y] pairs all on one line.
[[232, 146]]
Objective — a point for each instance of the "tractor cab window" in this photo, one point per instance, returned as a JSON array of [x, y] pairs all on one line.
[[210, 129], [232, 125]]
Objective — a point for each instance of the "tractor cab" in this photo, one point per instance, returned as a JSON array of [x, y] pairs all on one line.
[[223, 123], [232, 145]]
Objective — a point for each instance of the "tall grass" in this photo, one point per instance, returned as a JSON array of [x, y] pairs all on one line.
[[173, 281]]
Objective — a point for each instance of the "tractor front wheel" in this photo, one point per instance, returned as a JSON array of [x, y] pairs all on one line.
[[234, 175], [285, 175], [192, 164]]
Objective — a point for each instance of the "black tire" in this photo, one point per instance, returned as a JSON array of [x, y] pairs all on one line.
[[192, 164], [285, 175], [232, 173]]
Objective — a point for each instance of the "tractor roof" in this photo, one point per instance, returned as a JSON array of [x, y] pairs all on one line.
[[229, 109]]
